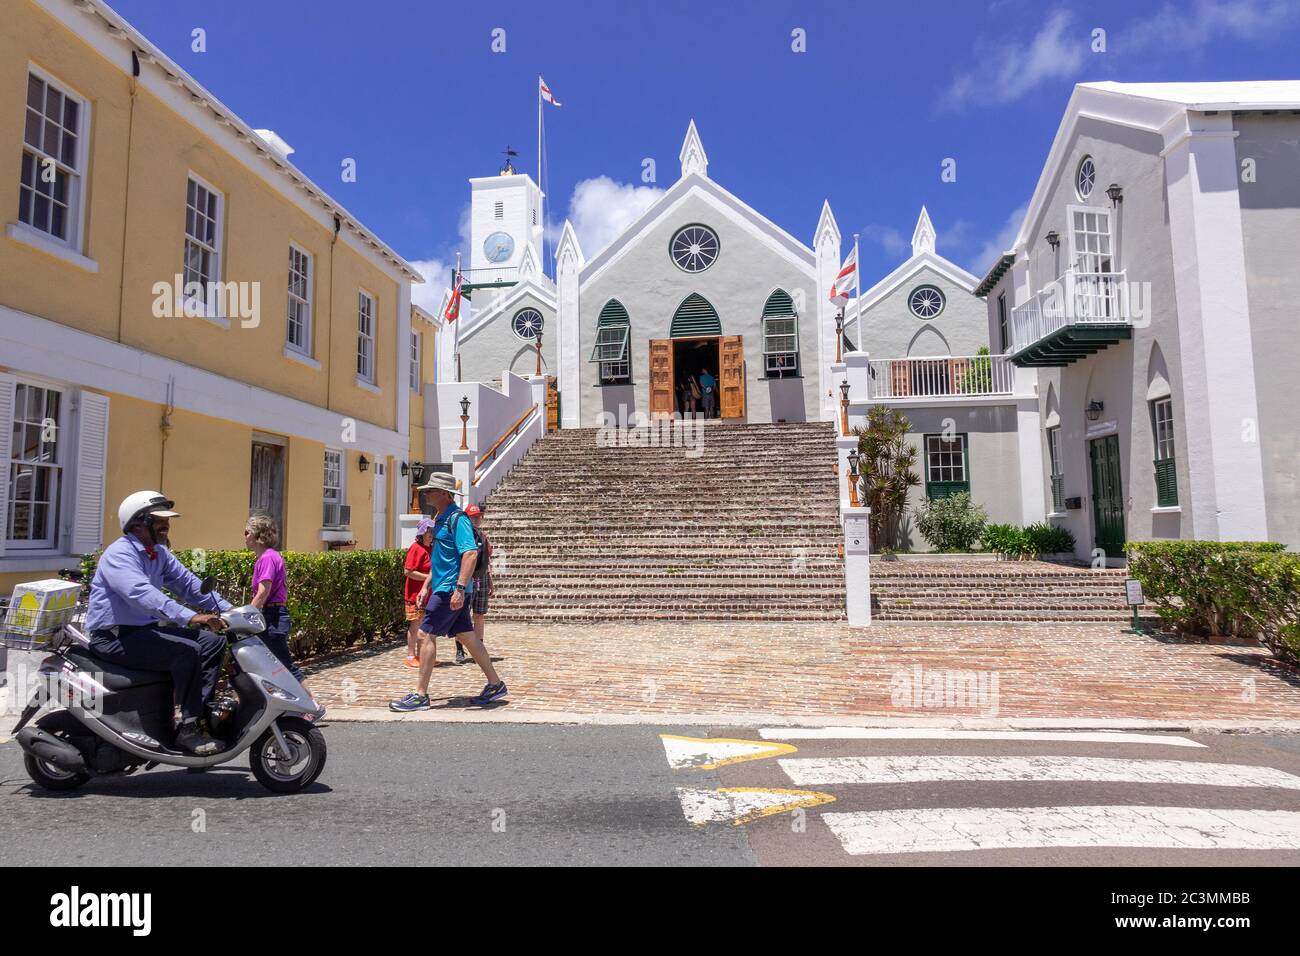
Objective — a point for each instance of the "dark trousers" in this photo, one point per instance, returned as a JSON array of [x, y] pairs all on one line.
[[190, 655], [710, 402], [276, 636]]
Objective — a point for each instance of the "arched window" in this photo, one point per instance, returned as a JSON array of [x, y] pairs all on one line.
[[695, 316], [780, 336], [612, 349]]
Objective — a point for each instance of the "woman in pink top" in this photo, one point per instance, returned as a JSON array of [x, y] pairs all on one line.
[[271, 589]]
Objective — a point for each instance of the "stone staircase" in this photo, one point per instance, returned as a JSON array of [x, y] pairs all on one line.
[[977, 590], [745, 530]]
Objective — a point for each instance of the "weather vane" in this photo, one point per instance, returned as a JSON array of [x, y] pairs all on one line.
[[508, 169]]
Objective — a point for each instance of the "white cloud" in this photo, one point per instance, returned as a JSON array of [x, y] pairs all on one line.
[[980, 262], [602, 208], [889, 239], [437, 277], [1184, 28], [1061, 50], [1008, 71]]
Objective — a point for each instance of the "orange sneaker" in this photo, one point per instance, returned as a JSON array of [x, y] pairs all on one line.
[[412, 662]]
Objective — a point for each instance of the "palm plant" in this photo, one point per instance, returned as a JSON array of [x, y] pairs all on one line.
[[887, 471]]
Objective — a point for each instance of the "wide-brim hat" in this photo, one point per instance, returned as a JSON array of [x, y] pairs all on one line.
[[441, 481]]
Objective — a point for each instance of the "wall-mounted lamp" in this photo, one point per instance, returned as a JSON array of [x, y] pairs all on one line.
[[1053, 239], [406, 469], [363, 463], [1115, 193], [1094, 410]]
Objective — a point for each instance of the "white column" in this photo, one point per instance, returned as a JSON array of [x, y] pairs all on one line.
[[538, 385], [844, 445], [826, 246], [1029, 447], [568, 317], [857, 566], [462, 469], [857, 368], [1226, 478]]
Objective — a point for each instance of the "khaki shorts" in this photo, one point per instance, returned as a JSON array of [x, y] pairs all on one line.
[[413, 611]]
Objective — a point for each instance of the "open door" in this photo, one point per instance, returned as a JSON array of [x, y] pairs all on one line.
[[732, 375], [552, 404], [661, 378]]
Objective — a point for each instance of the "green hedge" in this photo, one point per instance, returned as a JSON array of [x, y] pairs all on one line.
[[336, 598], [1240, 588], [1036, 539]]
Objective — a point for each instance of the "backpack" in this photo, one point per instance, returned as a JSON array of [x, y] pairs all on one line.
[[481, 565]]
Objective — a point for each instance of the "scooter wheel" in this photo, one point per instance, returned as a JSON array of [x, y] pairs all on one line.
[[288, 773], [50, 777]]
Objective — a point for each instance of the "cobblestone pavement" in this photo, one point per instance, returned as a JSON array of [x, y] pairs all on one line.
[[830, 670]]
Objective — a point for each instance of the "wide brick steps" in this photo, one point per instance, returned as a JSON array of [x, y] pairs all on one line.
[[744, 526], [995, 591]]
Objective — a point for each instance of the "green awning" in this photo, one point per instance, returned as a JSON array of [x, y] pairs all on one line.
[[695, 316]]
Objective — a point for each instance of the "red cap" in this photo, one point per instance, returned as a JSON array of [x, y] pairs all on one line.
[[473, 511]]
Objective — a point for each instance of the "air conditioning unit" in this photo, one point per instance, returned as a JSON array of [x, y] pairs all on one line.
[[337, 515]]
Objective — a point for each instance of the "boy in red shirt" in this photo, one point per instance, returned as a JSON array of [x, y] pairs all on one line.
[[416, 569]]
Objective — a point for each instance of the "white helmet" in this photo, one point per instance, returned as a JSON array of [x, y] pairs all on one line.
[[136, 507]]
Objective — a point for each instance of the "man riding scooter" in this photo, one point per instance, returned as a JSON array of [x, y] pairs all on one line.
[[127, 604]]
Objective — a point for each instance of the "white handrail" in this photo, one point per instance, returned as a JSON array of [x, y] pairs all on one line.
[[1075, 298]]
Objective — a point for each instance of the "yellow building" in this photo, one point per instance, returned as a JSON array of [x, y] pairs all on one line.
[[181, 309]]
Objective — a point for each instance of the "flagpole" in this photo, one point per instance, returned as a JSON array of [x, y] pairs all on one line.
[[455, 338], [857, 286], [542, 196]]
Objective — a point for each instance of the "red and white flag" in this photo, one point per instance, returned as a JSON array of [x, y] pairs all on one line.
[[452, 312], [545, 92], [845, 279]]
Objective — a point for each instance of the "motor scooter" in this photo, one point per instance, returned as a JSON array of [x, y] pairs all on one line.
[[115, 720]]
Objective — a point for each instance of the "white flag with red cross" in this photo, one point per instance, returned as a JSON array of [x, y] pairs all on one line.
[[452, 312], [846, 279], [546, 93]]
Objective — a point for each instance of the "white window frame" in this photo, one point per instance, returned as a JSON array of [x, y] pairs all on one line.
[[417, 363], [305, 347], [366, 337], [769, 354], [205, 307], [340, 492], [939, 458], [1055, 467], [75, 239], [63, 451], [1162, 428], [1076, 253]]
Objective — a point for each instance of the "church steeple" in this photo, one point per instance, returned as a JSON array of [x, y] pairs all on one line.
[[923, 237], [693, 157]]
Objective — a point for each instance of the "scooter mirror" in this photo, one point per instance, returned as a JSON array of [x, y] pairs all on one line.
[[208, 584]]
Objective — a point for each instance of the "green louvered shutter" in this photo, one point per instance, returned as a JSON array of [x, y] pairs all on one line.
[[1166, 483], [695, 316], [778, 303], [613, 314]]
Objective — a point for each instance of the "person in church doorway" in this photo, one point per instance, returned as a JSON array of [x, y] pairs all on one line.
[[709, 386], [693, 395]]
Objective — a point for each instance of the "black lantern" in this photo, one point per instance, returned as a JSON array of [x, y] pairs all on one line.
[[406, 469], [844, 390], [464, 407], [854, 457], [1115, 193], [1094, 410], [362, 463], [1053, 239]]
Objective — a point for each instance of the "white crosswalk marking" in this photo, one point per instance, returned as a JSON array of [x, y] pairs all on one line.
[[985, 828], [813, 771], [935, 733]]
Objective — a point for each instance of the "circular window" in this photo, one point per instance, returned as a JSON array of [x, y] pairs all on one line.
[[926, 302], [1086, 178], [528, 324], [694, 248]]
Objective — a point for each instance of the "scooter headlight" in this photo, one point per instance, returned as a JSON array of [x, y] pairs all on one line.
[[275, 690]]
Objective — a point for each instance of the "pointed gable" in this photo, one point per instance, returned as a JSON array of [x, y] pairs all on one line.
[[923, 238], [693, 157]]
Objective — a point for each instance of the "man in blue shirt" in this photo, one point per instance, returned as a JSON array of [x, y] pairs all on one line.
[[447, 608], [127, 603]]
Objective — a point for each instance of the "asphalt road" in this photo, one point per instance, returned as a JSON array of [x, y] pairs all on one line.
[[501, 794]]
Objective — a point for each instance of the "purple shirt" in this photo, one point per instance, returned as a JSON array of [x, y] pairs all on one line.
[[270, 567]]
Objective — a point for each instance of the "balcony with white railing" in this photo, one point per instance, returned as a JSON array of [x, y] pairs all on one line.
[[946, 377], [1076, 315]]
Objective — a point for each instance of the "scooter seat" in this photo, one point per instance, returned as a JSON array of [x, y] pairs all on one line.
[[115, 676]]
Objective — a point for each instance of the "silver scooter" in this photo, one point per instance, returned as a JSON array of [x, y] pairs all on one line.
[[116, 720]]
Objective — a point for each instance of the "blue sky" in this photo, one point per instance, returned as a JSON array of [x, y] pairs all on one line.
[[884, 93]]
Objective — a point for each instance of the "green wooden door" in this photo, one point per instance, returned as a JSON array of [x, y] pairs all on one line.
[[1107, 496]]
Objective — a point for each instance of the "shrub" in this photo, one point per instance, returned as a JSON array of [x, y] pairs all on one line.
[[1005, 539], [1242, 588], [1044, 538], [953, 523], [336, 598]]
